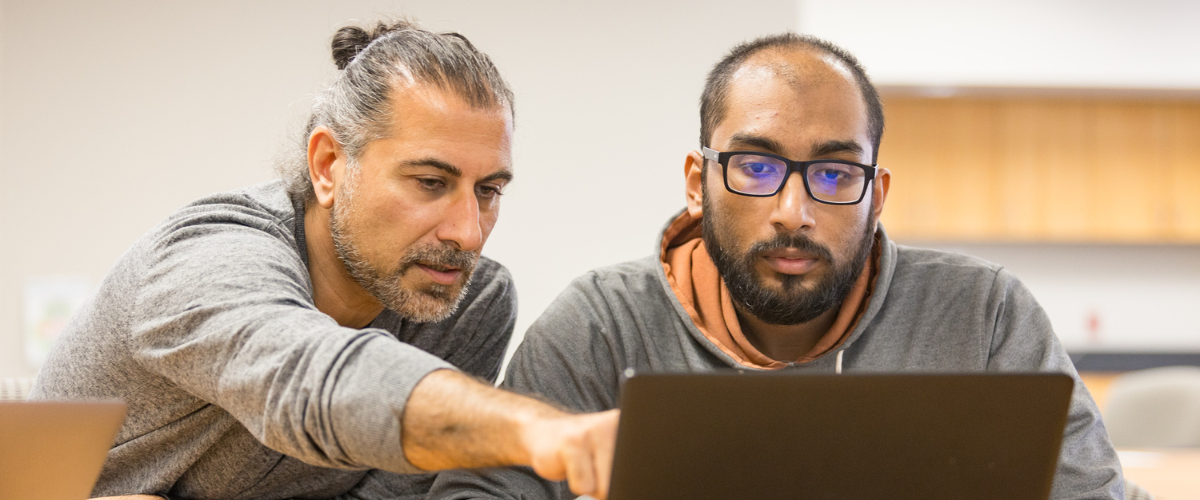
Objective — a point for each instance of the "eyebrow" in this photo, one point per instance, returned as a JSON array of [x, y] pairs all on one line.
[[503, 175], [770, 145], [435, 163], [756, 141], [830, 147]]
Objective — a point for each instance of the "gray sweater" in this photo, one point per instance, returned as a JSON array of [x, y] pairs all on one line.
[[237, 386], [931, 311]]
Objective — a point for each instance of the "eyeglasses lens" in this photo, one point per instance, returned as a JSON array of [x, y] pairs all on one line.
[[754, 174], [836, 182]]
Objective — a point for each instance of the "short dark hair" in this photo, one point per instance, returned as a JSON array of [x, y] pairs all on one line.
[[715, 98], [373, 61]]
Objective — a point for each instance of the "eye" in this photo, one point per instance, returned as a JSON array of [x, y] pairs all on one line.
[[431, 183], [835, 175], [488, 191], [758, 168]]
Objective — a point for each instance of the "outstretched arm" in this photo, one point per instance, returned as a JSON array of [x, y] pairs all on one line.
[[571, 357], [452, 421]]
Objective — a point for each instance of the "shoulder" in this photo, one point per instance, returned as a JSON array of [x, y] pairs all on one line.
[[953, 283], [631, 277], [601, 307], [947, 311], [263, 207], [944, 270], [268, 200], [257, 222], [235, 243], [602, 294], [932, 259]]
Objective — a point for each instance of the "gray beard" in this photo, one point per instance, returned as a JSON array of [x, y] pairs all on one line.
[[432, 303], [793, 305]]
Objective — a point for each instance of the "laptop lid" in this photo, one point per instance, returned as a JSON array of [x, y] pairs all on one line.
[[53, 450], [862, 436]]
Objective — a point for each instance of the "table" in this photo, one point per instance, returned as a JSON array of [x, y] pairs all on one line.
[[1168, 474]]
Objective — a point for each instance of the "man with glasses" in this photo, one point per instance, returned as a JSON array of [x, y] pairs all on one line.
[[778, 263]]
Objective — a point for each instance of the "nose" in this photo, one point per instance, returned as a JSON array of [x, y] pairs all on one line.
[[793, 209], [460, 225]]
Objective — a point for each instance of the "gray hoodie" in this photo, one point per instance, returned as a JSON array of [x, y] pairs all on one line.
[[930, 311]]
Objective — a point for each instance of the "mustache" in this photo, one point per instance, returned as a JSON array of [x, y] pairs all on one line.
[[797, 241], [440, 256]]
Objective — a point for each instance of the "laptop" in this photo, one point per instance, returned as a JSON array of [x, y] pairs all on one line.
[[53, 450], [863, 436]]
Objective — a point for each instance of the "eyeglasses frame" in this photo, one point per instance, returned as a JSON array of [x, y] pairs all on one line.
[[800, 167]]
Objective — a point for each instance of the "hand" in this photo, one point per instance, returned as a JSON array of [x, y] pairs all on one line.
[[452, 421], [577, 448]]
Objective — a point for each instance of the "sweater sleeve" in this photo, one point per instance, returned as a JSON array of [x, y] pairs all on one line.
[[224, 312], [569, 358], [1024, 340]]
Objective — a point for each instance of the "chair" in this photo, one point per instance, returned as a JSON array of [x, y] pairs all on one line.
[[15, 389], [1155, 408], [1135, 492]]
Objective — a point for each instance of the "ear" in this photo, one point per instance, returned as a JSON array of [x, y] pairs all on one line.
[[693, 175], [326, 165], [883, 180]]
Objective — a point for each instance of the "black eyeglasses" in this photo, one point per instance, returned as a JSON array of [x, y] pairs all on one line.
[[835, 182]]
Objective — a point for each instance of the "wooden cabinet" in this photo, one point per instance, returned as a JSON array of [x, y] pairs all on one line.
[[1042, 169]]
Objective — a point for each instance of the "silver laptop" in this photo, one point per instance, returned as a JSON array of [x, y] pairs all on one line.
[[53, 450], [781, 436]]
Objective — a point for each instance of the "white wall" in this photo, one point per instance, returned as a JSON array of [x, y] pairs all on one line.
[[115, 113], [1038, 43]]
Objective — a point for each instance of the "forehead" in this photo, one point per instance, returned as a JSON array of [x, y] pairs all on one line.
[[420, 108], [428, 125], [427, 121], [794, 96]]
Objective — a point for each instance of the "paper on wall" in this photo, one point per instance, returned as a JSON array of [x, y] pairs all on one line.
[[50, 301]]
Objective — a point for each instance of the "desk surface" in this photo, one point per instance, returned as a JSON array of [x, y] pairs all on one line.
[[1168, 474]]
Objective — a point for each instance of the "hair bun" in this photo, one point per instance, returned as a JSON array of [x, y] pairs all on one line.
[[350, 40]]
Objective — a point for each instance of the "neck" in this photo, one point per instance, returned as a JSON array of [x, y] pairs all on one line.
[[334, 291], [785, 342]]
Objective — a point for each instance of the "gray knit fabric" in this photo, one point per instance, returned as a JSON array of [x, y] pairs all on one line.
[[237, 386], [931, 311]]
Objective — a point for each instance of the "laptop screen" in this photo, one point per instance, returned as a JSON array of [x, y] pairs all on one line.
[[53, 450], [777, 436]]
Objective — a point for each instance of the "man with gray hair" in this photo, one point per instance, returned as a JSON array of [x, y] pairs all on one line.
[[321, 336]]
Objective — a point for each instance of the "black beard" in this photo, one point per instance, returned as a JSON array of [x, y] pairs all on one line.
[[793, 305]]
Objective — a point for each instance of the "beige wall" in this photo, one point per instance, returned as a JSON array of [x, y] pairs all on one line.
[[115, 113]]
